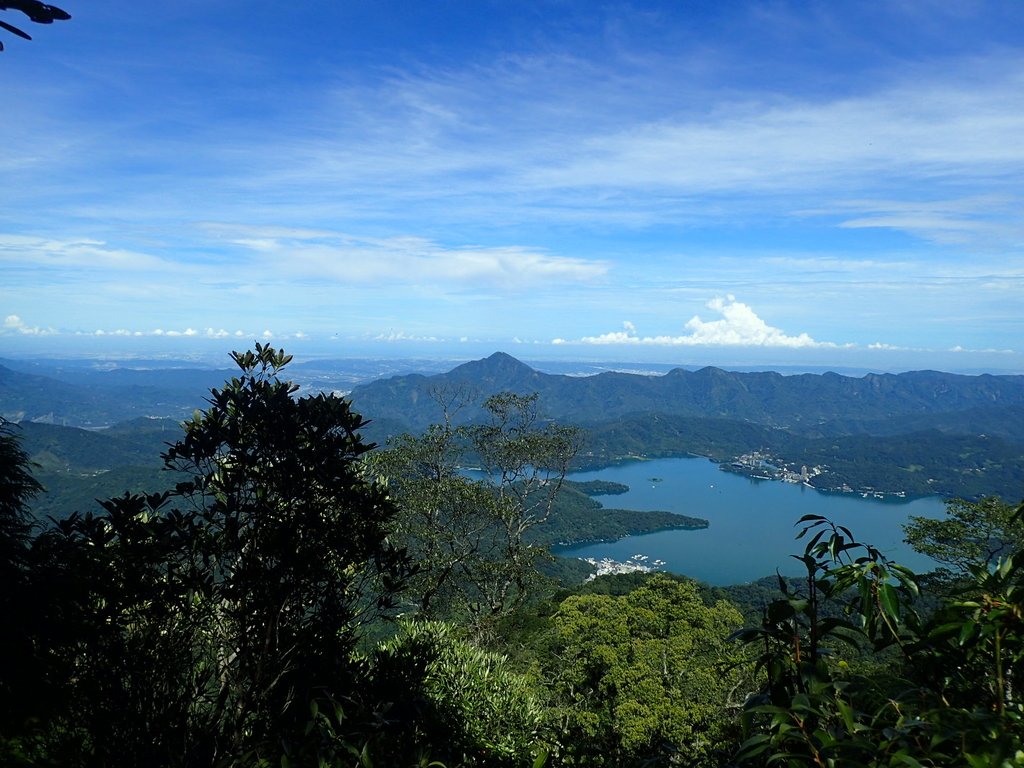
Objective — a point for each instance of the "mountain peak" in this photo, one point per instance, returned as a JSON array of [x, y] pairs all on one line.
[[497, 363], [504, 358]]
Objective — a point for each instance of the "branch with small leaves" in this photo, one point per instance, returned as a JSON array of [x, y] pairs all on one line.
[[40, 13]]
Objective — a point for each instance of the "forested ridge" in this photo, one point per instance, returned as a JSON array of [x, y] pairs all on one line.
[[287, 594], [914, 463], [916, 433], [828, 402]]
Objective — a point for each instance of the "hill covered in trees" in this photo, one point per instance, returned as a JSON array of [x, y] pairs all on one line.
[[823, 403], [916, 433]]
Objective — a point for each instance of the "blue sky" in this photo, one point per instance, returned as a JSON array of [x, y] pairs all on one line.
[[768, 183]]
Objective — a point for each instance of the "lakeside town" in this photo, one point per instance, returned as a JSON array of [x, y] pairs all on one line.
[[761, 465], [605, 566]]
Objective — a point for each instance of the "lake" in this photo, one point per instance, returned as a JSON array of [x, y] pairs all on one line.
[[752, 521]]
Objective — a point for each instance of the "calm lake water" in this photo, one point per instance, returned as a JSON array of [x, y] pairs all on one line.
[[752, 521]]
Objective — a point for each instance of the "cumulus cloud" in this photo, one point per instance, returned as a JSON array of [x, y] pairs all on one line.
[[14, 324], [738, 326]]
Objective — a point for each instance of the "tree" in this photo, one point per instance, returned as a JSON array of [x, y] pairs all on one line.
[[464, 704], [940, 691], [468, 533], [972, 533], [644, 678], [526, 461], [40, 13], [17, 487], [441, 521], [199, 625], [296, 535]]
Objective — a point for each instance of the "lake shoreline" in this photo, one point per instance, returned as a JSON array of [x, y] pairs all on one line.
[[751, 523], [735, 467]]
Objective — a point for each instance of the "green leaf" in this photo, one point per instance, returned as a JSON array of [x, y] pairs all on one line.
[[968, 629], [889, 599]]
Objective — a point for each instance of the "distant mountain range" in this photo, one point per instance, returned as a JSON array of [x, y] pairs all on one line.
[[81, 397], [807, 403], [916, 433], [92, 394], [920, 432]]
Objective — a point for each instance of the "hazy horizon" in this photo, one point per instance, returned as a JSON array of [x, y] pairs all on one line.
[[216, 355]]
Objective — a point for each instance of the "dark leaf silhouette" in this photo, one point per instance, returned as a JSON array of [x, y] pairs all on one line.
[[40, 13]]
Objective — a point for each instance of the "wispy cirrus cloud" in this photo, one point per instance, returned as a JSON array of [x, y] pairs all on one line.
[[565, 138], [953, 131], [329, 255], [978, 220], [63, 253], [228, 253], [432, 143]]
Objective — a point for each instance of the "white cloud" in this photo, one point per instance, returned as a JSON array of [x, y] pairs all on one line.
[[939, 128], [404, 259], [958, 348], [883, 346], [75, 253], [402, 336], [980, 219], [14, 324], [738, 326]]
